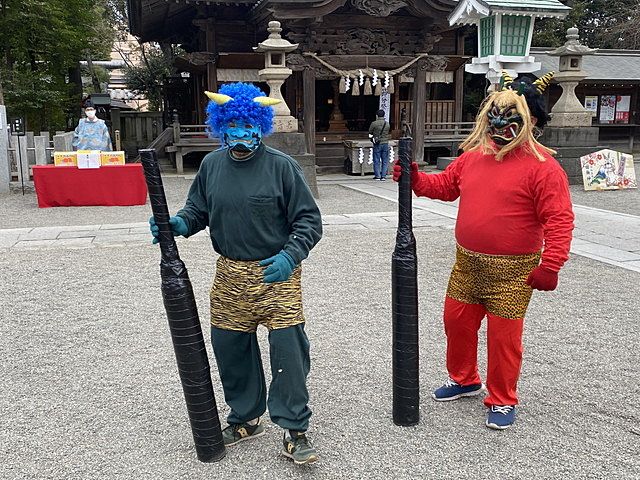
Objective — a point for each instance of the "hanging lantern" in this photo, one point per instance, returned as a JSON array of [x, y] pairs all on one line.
[[367, 87]]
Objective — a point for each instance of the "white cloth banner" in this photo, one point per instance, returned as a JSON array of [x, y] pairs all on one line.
[[385, 104]]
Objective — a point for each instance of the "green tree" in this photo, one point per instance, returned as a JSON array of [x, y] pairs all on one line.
[[147, 76], [602, 24], [42, 41]]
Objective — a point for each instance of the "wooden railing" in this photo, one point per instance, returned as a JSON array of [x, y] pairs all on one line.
[[187, 139], [437, 111]]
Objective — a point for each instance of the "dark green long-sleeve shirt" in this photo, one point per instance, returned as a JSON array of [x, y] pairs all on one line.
[[254, 208]]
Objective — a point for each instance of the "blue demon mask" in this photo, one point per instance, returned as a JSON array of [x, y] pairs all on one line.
[[241, 115], [241, 136]]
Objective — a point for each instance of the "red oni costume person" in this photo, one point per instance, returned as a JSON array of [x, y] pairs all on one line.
[[513, 234]]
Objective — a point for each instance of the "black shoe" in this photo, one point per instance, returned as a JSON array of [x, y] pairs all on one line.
[[238, 432], [298, 448]]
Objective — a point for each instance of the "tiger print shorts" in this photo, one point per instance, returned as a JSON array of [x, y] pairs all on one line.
[[495, 281], [240, 300]]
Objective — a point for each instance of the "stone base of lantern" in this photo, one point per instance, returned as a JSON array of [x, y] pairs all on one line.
[[293, 144], [571, 143], [285, 124], [570, 119]]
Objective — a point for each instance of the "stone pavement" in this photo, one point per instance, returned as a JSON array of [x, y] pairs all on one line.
[[606, 236]]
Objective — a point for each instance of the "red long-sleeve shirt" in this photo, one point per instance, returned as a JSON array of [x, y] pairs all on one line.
[[509, 207]]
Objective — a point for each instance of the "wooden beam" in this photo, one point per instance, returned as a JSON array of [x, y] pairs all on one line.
[[419, 111], [459, 78], [309, 119], [212, 74]]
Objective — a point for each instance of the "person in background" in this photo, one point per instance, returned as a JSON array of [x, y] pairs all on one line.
[[92, 133], [379, 135]]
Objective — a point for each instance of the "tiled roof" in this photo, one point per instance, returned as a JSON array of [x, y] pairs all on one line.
[[611, 65]]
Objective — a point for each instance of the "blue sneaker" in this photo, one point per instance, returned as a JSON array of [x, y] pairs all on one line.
[[500, 417], [452, 391]]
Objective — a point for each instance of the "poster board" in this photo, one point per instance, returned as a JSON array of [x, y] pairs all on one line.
[[88, 158], [623, 102], [591, 104], [608, 170], [607, 108], [112, 158], [65, 159]]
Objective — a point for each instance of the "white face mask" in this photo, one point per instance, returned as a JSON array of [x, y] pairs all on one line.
[[91, 114]]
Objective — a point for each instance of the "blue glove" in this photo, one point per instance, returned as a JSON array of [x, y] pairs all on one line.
[[178, 227], [280, 267]]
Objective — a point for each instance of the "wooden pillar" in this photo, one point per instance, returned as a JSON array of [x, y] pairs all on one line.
[[309, 94], [459, 80], [212, 72], [419, 110]]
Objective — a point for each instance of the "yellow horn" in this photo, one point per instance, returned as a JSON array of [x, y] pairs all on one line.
[[219, 98], [267, 101], [543, 82], [507, 80]]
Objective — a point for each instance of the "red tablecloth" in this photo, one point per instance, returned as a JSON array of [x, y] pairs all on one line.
[[80, 187]]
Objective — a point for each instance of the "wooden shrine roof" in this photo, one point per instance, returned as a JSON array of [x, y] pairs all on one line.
[[163, 20]]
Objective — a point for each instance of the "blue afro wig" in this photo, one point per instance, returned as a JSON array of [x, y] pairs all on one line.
[[242, 107]]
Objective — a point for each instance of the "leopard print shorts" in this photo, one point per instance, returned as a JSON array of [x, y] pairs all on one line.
[[495, 281], [240, 300]]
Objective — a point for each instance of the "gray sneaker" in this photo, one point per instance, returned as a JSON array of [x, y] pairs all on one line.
[[298, 448], [239, 432]]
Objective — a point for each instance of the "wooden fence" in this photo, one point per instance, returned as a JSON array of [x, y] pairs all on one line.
[[137, 129], [437, 111]]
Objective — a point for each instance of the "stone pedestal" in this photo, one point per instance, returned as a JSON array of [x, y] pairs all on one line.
[[571, 143], [293, 144], [5, 167]]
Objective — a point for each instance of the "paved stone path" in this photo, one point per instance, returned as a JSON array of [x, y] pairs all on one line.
[[602, 235]]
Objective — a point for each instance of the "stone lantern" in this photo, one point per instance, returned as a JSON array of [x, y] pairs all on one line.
[[568, 111], [275, 72]]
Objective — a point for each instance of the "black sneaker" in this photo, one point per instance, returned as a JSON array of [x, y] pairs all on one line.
[[298, 448], [238, 432]]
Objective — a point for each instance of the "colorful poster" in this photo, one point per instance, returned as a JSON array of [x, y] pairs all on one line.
[[591, 104], [608, 170], [607, 108], [623, 102]]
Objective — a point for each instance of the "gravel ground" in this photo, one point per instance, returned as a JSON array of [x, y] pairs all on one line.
[[90, 388], [621, 201]]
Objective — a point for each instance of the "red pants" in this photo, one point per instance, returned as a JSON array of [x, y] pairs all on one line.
[[504, 345]]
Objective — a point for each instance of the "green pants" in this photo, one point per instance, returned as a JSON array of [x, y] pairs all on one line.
[[240, 367]]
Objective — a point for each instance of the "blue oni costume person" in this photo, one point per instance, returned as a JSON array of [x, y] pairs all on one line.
[[263, 221]]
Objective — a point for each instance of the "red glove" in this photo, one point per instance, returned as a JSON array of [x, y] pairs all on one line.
[[397, 172], [542, 279]]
